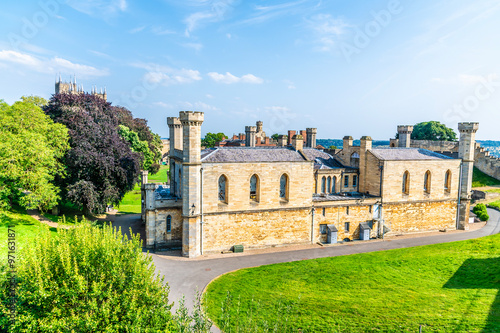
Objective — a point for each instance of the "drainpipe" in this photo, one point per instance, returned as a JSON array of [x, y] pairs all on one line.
[[201, 212], [459, 196], [381, 224], [312, 226]]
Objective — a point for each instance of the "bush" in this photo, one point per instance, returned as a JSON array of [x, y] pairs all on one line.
[[86, 279], [481, 212]]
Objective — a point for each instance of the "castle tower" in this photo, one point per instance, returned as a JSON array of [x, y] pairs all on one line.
[[311, 137], [250, 136], [191, 182], [364, 146], [259, 124], [466, 153], [282, 140], [404, 132], [175, 138]]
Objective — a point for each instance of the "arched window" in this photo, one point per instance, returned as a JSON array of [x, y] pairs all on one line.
[[406, 182], [329, 185], [355, 160], [180, 184], [323, 185], [254, 188], [447, 181], [169, 223], [222, 188], [427, 181], [284, 187], [334, 184]]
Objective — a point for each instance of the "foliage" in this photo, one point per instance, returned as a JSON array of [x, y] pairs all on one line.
[[481, 212], [275, 136], [480, 179], [140, 126], [332, 147], [101, 167], [433, 130], [495, 204], [211, 139], [142, 147], [87, 279], [35, 100], [449, 287], [31, 149], [198, 322]]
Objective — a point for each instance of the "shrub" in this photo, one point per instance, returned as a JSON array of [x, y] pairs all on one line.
[[86, 279], [481, 212]]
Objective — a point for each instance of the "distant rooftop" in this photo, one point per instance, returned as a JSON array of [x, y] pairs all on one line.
[[406, 154]]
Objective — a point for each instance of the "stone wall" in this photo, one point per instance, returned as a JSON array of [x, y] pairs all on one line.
[[438, 146], [420, 216], [488, 164]]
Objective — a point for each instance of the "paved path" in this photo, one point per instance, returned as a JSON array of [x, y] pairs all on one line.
[[184, 276]]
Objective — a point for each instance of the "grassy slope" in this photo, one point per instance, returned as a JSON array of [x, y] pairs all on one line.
[[131, 203], [480, 179], [26, 228], [391, 291]]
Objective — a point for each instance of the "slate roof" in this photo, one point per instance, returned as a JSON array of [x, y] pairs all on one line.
[[406, 154], [321, 159], [341, 196], [250, 154]]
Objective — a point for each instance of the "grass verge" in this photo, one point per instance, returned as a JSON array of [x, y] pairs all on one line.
[[131, 202], [495, 204], [480, 179], [451, 287]]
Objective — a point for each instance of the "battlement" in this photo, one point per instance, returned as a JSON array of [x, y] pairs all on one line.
[[468, 127], [312, 130], [298, 137], [366, 138], [250, 129], [404, 129], [191, 117], [347, 137], [173, 121]]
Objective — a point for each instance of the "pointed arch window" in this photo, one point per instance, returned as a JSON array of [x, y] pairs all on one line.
[[447, 181], [284, 187], [254, 188], [169, 223], [223, 188], [334, 184], [323, 185], [406, 182], [427, 182], [329, 185]]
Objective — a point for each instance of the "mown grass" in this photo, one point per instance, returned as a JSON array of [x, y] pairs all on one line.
[[69, 214], [451, 287], [26, 228], [493, 191], [480, 179], [495, 204], [131, 203]]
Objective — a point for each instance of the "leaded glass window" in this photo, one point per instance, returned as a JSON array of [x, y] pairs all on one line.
[[253, 187], [323, 185], [169, 223], [222, 188], [283, 186], [329, 185]]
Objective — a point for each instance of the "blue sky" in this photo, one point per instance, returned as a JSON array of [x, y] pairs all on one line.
[[346, 67]]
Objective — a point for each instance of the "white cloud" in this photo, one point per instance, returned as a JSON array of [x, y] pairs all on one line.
[[158, 74], [229, 78], [215, 11], [136, 30], [161, 31], [290, 84], [99, 8], [196, 106], [194, 46], [327, 30], [53, 65]]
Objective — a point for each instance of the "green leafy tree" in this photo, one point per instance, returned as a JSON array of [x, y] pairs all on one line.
[[211, 138], [31, 149], [332, 147], [35, 100], [86, 279], [275, 136], [139, 146], [432, 130]]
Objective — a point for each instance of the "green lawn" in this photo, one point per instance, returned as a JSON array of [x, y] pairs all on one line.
[[480, 179], [495, 204], [26, 228], [450, 287], [493, 191], [131, 203]]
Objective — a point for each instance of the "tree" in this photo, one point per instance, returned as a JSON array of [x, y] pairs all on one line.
[[211, 139], [86, 279], [332, 147], [432, 130], [139, 146], [31, 149], [35, 100], [101, 167], [275, 136]]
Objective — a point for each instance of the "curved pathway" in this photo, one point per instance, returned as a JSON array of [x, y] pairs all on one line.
[[185, 276]]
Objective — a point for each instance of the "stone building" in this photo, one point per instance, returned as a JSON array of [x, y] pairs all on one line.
[[73, 88], [293, 194]]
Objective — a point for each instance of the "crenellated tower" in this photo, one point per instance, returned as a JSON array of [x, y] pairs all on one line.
[[71, 87]]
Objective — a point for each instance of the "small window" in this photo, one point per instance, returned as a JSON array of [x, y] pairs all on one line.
[[346, 226], [284, 187], [254, 188], [323, 185], [447, 181], [322, 229], [354, 180], [427, 182], [346, 181], [347, 210], [222, 188], [329, 185], [369, 209], [324, 211], [169, 223], [334, 182], [406, 183]]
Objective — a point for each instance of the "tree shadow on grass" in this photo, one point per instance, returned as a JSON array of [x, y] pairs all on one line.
[[480, 274], [6, 219]]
